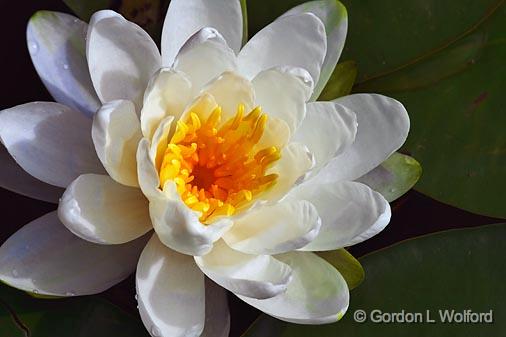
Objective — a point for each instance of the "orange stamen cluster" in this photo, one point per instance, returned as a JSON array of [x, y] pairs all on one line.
[[215, 168]]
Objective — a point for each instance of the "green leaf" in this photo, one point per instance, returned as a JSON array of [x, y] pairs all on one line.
[[43, 297], [341, 81], [22, 315], [445, 62], [263, 12], [148, 14], [85, 9], [453, 270], [346, 264], [244, 7], [394, 177]]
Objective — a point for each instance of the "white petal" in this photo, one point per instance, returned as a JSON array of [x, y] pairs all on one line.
[[230, 90], [50, 141], [296, 40], [276, 133], [328, 130], [292, 168], [186, 17], [57, 45], [383, 126], [283, 92], [167, 95], [170, 292], [335, 18], [149, 181], [280, 228], [317, 294], [122, 57], [15, 179], [347, 209], [217, 312], [257, 276], [204, 57], [46, 258], [116, 133], [160, 141], [377, 227], [202, 105], [97, 209], [177, 226]]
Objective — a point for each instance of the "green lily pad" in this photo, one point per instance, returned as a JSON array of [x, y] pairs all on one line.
[[22, 315], [349, 267], [456, 270], [9, 327], [394, 177]]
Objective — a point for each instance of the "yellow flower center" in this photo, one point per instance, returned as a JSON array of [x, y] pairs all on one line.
[[218, 169]]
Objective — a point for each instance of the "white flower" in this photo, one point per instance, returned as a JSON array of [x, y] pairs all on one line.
[[241, 174]]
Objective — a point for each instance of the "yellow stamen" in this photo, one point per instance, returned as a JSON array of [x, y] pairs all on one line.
[[217, 168]]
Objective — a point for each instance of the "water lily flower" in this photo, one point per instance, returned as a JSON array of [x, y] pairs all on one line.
[[204, 167]]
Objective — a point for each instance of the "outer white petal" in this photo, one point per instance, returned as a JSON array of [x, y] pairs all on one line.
[[280, 228], [335, 18], [348, 210], [45, 257], [293, 167], [328, 130], [283, 92], [177, 226], [170, 292], [167, 95], [296, 40], [186, 17], [116, 132], [15, 179], [204, 57], [98, 209], [257, 276], [122, 57], [229, 90], [57, 45], [317, 294], [217, 312], [383, 126], [377, 227], [50, 141]]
